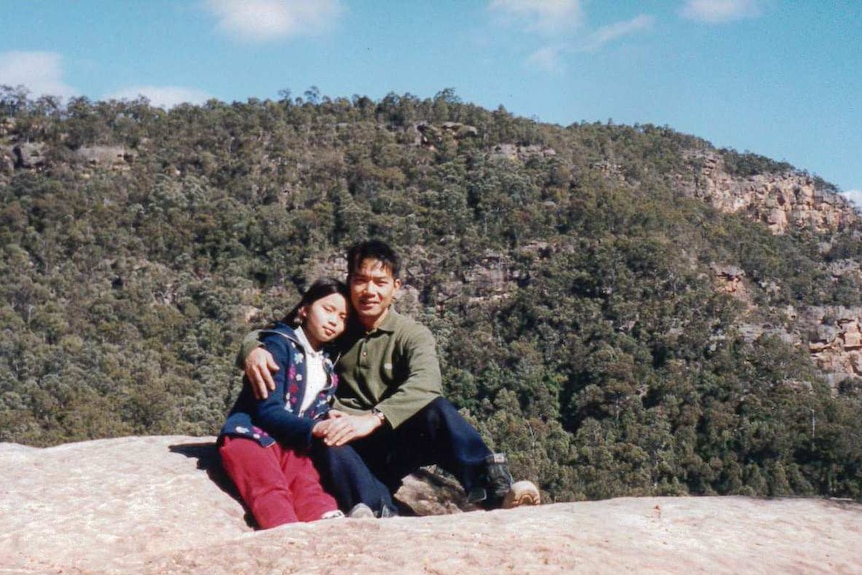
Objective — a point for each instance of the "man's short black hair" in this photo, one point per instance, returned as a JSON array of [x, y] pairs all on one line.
[[373, 250]]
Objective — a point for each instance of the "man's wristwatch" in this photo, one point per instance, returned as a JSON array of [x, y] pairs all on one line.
[[378, 414]]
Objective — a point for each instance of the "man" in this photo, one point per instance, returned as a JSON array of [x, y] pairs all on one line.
[[389, 416]]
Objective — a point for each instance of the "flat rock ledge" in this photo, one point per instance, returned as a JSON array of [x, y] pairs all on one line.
[[158, 505]]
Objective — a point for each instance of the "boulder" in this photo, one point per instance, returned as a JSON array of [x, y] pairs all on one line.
[[29, 155], [109, 156]]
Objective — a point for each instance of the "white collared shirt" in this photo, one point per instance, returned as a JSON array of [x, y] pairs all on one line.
[[315, 373]]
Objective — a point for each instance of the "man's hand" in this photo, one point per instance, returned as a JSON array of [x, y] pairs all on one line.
[[259, 365], [341, 429]]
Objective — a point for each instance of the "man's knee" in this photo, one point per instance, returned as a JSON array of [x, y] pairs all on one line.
[[439, 412], [335, 460]]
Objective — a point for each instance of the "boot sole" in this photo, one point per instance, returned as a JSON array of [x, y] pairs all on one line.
[[521, 493]]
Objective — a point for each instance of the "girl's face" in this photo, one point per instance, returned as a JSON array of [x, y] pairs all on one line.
[[323, 320]]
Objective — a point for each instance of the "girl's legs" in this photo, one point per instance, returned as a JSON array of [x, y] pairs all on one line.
[[311, 502], [258, 474]]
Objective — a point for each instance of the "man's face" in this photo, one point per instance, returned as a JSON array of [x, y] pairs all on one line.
[[372, 288]]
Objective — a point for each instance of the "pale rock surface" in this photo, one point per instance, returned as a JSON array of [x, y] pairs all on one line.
[[117, 157], [159, 505], [29, 155], [781, 201]]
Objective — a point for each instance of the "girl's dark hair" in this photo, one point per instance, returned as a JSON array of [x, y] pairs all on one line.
[[318, 290], [373, 250]]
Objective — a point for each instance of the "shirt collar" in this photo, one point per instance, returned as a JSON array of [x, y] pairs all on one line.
[[303, 340], [389, 321], [388, 324]]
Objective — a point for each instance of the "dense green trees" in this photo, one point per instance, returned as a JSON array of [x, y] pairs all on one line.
[[563, 270]]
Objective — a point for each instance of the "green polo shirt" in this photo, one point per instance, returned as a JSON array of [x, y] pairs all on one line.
[[393, 367]]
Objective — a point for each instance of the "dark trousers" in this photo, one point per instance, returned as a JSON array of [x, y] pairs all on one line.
[[370, 470]]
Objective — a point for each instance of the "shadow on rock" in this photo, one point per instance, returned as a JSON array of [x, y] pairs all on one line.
[[209, 460]]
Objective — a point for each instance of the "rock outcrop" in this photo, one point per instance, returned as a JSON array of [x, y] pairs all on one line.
[[516, 152], [29, 155], [731, 280], [835, 340], [431, 136], [161, 505], [832, 335], [781, 201], [116, 157]]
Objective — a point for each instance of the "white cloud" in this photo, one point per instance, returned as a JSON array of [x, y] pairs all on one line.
[[267, 20], [40, 72], [558, 20], [547, 59], [161, 96], [609, 33], [719, 11], [552, 58], [855, 197], [548, 17]]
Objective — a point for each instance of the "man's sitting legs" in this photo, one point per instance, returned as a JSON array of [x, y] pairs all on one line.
[[439, 435], [346, 476]]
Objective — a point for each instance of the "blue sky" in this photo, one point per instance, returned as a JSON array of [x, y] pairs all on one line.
[[781, 78]]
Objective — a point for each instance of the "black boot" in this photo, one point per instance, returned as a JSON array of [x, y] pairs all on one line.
[[493, 483]]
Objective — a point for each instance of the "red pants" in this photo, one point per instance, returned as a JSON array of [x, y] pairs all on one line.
[[278, 485]]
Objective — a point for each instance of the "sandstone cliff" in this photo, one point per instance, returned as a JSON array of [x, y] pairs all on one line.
[[781, 201], [159, 505]]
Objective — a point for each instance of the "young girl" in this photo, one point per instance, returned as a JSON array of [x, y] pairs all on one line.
[[263, 443]]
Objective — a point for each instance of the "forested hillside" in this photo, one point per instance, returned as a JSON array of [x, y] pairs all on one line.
[[569, 274]]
